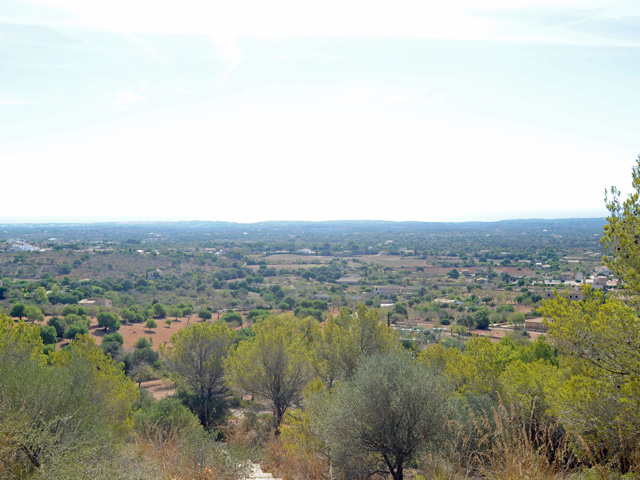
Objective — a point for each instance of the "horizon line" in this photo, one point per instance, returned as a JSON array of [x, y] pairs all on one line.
[[13, 222]]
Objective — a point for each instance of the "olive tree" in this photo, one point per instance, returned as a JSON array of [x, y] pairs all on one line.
[[381, 419]]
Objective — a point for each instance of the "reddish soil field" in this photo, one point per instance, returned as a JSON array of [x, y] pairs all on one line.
[[133, 331]]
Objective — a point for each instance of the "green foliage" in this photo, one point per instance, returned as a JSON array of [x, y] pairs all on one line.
[[109, 321], [113, 337], [164, 418], [159, 310], [382, 418], [600, 399], [75, 329], [151, 323], [142, 342], [48, 334], [134, 314], [58, 417], [70, 309], [516, 319], [481, 319], [232, 318], [33, 313], [195, 362], [17, 310], [401, 309], [303, 312], [274, 365], [620, 236], [204, 314], [59, 324], [344, 341]]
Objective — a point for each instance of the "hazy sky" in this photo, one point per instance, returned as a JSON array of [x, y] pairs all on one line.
[[316, 110]]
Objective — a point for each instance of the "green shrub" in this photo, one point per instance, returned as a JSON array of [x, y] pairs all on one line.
[[74, 329], [166, 417], [113, 337], [48, 334]]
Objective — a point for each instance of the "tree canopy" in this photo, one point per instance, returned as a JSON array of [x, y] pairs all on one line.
[[275, 364], [195, 361]]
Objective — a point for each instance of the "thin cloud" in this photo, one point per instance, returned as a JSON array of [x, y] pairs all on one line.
[[125, 101], [496, 20]]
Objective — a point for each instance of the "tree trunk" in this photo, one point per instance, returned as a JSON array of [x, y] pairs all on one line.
[[277, 419], [398, 474]]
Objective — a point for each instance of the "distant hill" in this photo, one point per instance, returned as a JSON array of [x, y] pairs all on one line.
[[193, 230]]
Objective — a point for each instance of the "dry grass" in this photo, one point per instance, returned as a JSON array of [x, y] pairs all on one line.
[[294, 464], [194, 455], [501, 445]]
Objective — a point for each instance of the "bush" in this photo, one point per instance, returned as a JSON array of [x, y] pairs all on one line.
[[165, 417], [59, 324], [48, 334], [232, 317], [114, 349], [146, 355], [70, 309], [113, 337], [75, 329], [142, 343], [481, 318]]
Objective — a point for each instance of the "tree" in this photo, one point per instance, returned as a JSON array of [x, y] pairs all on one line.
[[75, 329], [48, 335], [204, 314], [159, 310], [621, 238], [151, 324], [174, 312], [59, 324], [17, 310], [516, 319], [481, 319], [109, 321], [400, 309], [232, 318], [33, 313], [467, 320], [459, 330], [59, 415], [275, 364], [361, 333], [599, 339], [380, 419], [195, 362]]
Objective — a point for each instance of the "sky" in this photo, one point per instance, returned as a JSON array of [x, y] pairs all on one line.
[[256, 110]]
